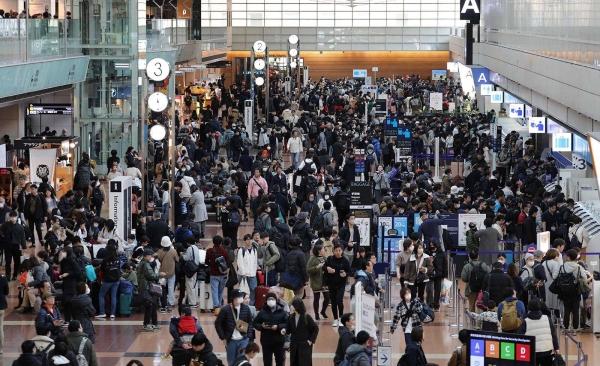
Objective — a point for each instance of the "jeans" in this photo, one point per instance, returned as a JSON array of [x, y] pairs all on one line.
[[171, 291], [214, 155], [2, 330], [165, 211], [295, 157], [191, 290], [571, 307], [217, 285], [233, 349], [407, 340], [336, 293], [252, 283], [113, 287], [271, 349]]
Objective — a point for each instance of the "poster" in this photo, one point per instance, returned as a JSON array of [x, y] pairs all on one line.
[[42, 162], [463, 226], [361, 193], [367, 310], [435, 101], [363, 221], [451, 224]]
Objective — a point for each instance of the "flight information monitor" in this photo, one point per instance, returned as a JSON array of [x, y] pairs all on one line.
[[500, 349], [36, 109]]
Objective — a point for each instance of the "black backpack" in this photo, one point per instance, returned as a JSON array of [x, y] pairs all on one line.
[[574, 241], [281, 263], [42, 355], [97, 197], [343, 202], [84, 176], [319, 223], [476, 277], [566, 283]]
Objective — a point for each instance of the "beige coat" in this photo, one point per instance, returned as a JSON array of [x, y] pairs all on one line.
[[167, 261]]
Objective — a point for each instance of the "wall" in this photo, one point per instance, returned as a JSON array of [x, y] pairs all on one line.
[[55, 122], [340, 64], [11, 120]]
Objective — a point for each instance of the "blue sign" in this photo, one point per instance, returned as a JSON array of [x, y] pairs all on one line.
[[481, 75], [554, 127], [581, 147], [401, 225], [394, 129], [511, 99], [358, 73]]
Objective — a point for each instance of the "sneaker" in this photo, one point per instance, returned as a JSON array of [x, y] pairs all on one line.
[[336, 323], [163, 311], [324, 315], [32, 246], [147, 328], [65, 324], [100, 316], [112, 317], [574, 332], [348, 288], [193, 306], [166, 357], [156, 327]]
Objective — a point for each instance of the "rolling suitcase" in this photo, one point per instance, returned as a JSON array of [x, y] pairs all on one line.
[[260, 292], [457, 168], [125, 305], [205, 301]]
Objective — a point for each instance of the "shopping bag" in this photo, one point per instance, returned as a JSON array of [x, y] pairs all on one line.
[[244, 286], [446, 286]]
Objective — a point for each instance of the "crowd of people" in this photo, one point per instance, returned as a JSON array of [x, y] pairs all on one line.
[[305, 237]]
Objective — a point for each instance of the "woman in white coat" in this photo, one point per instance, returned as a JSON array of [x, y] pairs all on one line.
[[198, 207], [552, 268]]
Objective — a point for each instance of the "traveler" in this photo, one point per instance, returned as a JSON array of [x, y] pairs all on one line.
[[418, 268], [192, 254], [495, 282], [247, 267], [488, 241], [305, 233], [551, 266], [269, 254], [540, 326], [83, 310], [201, 352], [145, 276], [80, 343], [27, 357], [415, 356], [296, 263], [571, 300], [36, 213], [359, 352], [218, 276], [337, 269], [347, 338], [234, 338], [350, 238], [168, 258], [269, 322], [252, 349], [111, 268], [407, 313], [430, 228], [303, 331], [44, 342], [513, 272], [511, 311], [17, 243], [49, 315], [440, 272], [473, 274], [198, 207], [459, 357], [402, 258], [156, 230], [315, 270], [489, 318]]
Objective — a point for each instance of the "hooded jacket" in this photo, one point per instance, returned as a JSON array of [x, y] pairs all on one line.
[[346, 339], [206, 357], [359, 360], [83, 310], [271, 317], [367, 282]]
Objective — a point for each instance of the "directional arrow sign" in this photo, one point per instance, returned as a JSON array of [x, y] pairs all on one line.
[[384, 356]]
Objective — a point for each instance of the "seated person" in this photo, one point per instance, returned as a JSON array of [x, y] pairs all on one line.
[[49, 315], [182, 330], [128, 274], [138, 253], [32, 288], [130, 245]]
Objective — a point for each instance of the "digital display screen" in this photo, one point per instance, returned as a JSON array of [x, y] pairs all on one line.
[[35, 109], [500, 349]]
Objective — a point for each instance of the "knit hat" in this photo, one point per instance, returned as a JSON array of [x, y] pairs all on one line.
[[270, 295], [165, 242], [527, 256]]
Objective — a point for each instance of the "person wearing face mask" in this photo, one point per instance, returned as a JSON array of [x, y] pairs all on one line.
[[407, 313], [315, 270], [270, 321], [15, 245], [83, 310], [403, 258], [146, 275], [440, 271], [382, 181], [234, 337], [337, 269], [417, 271], [303, 331], [311, 207], [415, 356]]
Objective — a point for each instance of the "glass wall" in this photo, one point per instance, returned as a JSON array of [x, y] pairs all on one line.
[[566, 29]]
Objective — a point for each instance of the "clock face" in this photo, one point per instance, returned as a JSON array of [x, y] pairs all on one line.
[[293, 64], [293, 52], [293, 39], [158, 69], [259, 46], [259, 64], [158, 102], [259, 81]]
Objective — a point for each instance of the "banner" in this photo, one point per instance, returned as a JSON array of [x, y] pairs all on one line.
[[435, 101], [463, 226], [363, 218], [450, 224], [466, 80], [42, 163]]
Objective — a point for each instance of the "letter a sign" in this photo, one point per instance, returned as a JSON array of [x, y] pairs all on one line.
[[470, 10]]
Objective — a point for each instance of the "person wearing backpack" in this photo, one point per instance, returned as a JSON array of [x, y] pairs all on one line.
[[578, 235], [81, 345], [230, 221], [496, 281], [96, 195], [217, 269], [358, 354], [407, 313], [511, 311], [572, 271], [303, 230], [459, 357], [341, 201], [540, 326]]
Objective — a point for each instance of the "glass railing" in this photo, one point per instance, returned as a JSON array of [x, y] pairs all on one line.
[[214, 44], [163, 33], [579, 51], [23, 40]]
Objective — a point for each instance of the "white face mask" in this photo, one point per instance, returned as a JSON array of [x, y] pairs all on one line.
[[63, 255], [412, 247], [271, 303], [407, 297], [151, 260], [87, 290], [529, 263], [239, 301]]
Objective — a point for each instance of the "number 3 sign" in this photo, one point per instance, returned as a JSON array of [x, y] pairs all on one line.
[[578, 162], [158, 69]]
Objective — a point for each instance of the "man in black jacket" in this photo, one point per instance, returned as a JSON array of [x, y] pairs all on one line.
[[305, 233], [281, 198], [529, 229], [296, 262], [234, 339], [36, 213], [14, 235], [279, 179], [156, 229], [270, 321], [496, 281], [350, 238]]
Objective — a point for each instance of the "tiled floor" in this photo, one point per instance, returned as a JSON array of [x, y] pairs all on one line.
[[121, 340]]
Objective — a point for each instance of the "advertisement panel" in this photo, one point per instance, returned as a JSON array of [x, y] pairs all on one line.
[[363, 220], [463, 226], [435, 101], [438, 74], [359, 73]]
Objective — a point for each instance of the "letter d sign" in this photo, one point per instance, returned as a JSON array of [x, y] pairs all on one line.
[[470, 10]]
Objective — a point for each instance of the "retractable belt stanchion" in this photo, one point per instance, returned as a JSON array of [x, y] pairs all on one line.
[[454, 293]]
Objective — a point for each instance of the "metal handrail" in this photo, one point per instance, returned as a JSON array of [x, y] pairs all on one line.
[[582, 358]]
